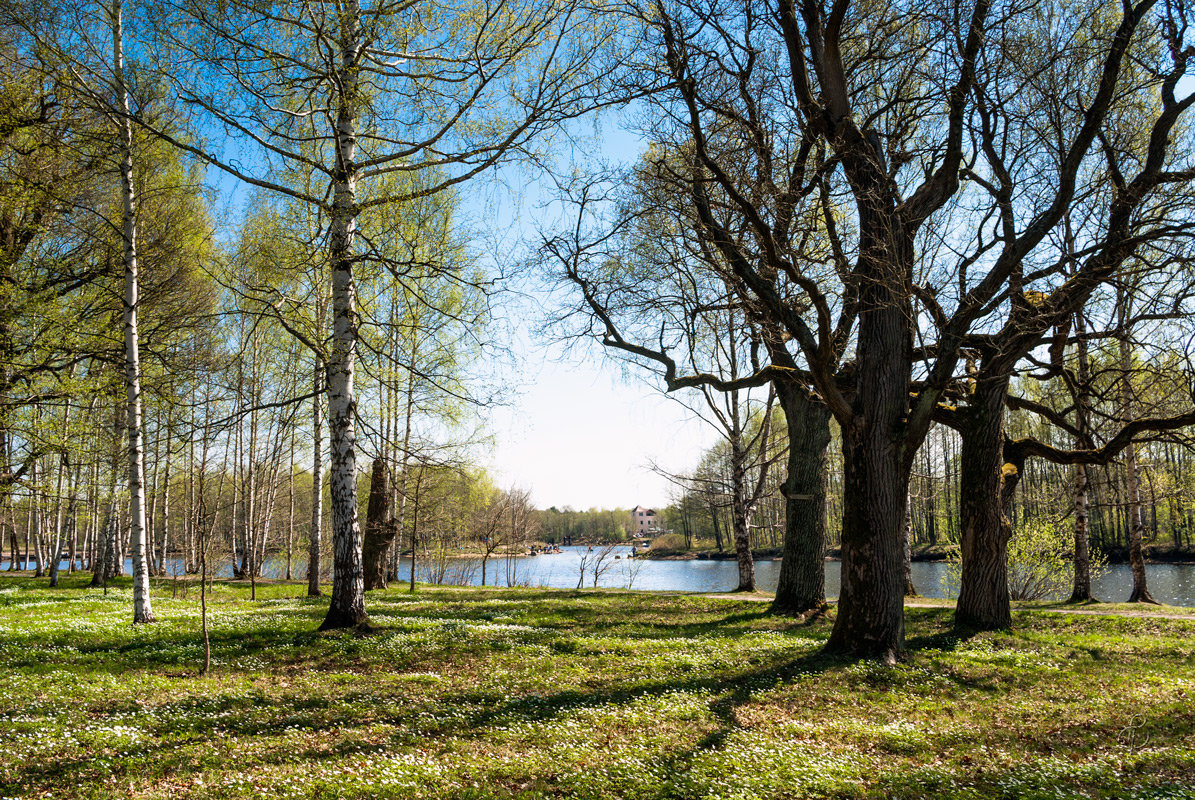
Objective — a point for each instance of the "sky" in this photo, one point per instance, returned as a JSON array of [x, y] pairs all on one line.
[[575, 429], [579, 430], [582, 434]]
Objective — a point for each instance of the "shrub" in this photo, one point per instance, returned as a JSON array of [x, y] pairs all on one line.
[[1039, 560], [668, 541], [1040, 564]]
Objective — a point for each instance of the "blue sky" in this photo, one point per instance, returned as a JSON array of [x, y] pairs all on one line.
[[580, 435], [576, 428], [579, 430]]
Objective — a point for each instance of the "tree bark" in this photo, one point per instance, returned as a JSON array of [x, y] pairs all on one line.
[[910, 588], [104, 562], [33, 535], [380, 527], [142, 612], [740, 513], [983, 602], [317, 483], [405, 464], [1140, 593], [164, 542], [870, 621], [59, 538], [347, 608], [290, 505], [1081, 587], [876, 464], [801, 586]]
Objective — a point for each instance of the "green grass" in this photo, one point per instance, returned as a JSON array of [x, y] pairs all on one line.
[[470, 693]]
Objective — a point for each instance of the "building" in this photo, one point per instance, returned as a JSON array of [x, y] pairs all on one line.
[[645, 523]]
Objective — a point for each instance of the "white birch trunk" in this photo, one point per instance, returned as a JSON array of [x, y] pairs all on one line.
[[317, 482], [165, 540], [33, 537], [63, 466], [141, 604], [348, 583]]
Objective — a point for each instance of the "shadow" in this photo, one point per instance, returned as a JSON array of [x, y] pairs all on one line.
[[466, 714], [347, 715]]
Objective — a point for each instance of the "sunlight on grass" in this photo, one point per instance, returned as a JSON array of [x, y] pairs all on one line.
[[536, 694]]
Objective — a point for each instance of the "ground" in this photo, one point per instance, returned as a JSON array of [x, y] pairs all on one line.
[[469, 693]]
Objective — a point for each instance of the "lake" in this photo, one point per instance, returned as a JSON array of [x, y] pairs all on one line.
[[1173, 584]]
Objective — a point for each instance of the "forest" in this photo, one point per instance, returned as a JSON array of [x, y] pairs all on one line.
[[926, 271]]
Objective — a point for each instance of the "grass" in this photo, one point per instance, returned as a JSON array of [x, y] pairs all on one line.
[[469, 693]]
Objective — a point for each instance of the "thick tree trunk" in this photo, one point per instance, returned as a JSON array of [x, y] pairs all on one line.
[[876, 464], [380, 527], [870, 621], [801, 585], [983, 602], [348, 586]]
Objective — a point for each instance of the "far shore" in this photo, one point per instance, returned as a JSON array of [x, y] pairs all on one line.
[[1154, 554]]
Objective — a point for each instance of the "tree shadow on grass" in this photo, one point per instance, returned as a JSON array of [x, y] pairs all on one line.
[[470, 714], [465, 714], [192, 724]]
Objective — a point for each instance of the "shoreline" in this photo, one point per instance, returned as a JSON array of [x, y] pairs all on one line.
[[931, 553]]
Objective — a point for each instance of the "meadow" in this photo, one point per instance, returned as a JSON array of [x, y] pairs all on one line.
[[528, 693]]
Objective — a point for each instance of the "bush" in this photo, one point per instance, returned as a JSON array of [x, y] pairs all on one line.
[[1040, 562], [668, 542]]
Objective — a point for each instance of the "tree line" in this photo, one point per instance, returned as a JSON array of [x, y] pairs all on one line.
[[701, 508], [883, 220]]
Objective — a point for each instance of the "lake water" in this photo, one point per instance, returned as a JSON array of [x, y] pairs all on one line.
[[1173, 584]]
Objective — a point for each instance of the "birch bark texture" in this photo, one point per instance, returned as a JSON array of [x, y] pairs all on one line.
[[347, 608], [377, 104], [142, 611]]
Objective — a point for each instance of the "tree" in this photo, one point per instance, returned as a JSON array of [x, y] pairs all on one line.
[[486, 524], [440, 95], [132, 371], [380, 527], [845, 121], [654, 288]]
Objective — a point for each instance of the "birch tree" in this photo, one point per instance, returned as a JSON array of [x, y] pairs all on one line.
[[356, 92], [142, 611]]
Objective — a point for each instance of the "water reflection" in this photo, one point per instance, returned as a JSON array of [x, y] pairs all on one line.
[[1173, 584]]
